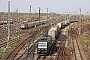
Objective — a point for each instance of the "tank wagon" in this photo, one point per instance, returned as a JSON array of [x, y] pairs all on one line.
[[44, 44]]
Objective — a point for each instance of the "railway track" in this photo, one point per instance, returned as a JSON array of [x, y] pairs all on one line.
[[30, 39], [14, 38], [77, 52], [76, 48], [58, 53], [13, 54], [62, 52], [50, 54], [14, 34], [28, 54]]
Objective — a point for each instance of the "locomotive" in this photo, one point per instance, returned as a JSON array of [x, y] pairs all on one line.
[[44, 44], [24, 25]]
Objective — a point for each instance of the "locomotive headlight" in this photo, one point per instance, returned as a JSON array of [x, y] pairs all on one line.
[[38, 49], [45, 49]]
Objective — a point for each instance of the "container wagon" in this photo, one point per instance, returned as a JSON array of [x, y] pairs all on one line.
[[53, 32]]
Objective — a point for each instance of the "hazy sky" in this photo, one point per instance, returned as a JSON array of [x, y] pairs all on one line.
[[58, 6]]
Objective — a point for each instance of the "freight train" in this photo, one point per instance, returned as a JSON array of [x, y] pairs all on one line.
[[45, 42], [25, 25]]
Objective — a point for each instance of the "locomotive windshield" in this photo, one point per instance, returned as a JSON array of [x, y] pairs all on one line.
[[42, 45]]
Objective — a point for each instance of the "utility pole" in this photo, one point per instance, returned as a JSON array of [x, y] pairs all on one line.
[[3, 16], [75, 15], [39, 14], [35, 15], [65, 18], [67, 14], [80, 23], [35, 18], [47, 14], [17, 18], [87, 16], [8, 44], [30, 14]]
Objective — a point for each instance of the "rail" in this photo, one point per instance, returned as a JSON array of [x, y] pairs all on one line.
[[21, 45]]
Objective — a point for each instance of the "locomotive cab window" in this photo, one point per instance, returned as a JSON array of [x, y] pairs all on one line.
[[42, 45]]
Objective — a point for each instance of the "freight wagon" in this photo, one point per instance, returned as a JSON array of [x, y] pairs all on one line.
[[53, 32]]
